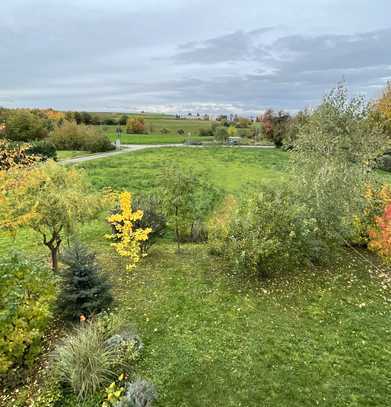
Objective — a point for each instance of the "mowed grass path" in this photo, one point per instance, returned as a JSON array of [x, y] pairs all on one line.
[[316, 337]]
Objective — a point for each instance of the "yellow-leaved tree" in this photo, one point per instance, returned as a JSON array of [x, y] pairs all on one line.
[[127, 238], [383, 104], [50, 199]]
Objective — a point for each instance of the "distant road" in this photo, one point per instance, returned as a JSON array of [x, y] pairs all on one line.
[[129, 148]]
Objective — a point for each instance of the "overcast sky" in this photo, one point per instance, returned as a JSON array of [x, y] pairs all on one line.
[[190, 55]]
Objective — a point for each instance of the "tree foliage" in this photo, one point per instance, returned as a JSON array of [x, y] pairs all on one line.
[[135, 125], [27, 293], [22, 125], [84, 289], [336, 150], [127, 237], [51, 199]]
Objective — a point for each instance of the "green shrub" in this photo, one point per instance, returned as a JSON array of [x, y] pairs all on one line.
[[71, 136], [22, 125], [384, 162], [85, 290], [181, 132], [269, 232], [44, 148], [164, 131], [206, 133], [27, 292]]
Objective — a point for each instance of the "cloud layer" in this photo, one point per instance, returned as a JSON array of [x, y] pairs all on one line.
[[168, 56]]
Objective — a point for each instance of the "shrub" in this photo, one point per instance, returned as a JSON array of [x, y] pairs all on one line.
[[85, 290], [135, 125], [164, 131], [269, 232], [181, 132], [22, 125], [221, 134], [27, 293], [138, 394], [384, 162], [14, 155], [206, 133], [71, 136], [43, 148]]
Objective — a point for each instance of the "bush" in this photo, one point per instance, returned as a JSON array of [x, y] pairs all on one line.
[[43, 148], [27, 293], [71, 136], [22, 125], [85, 291], [164, 131], [181, 132], [269, 232], [206, 133], [135, 125], [138, 394], [221, 134], [384, 162]]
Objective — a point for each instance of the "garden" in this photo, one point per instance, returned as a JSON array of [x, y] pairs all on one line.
[[193, 277]]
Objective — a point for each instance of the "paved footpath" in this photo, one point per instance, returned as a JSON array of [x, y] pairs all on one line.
[[129, 148]]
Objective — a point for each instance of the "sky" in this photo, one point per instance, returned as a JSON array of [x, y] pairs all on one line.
[[178, 56]]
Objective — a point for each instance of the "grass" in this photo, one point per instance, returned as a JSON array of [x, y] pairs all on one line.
[[155, 138], [315, 337], [231, 169]]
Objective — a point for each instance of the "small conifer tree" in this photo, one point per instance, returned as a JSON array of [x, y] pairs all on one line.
[[85, 291]]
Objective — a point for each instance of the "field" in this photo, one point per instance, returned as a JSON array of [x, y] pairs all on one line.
[[318, 337]]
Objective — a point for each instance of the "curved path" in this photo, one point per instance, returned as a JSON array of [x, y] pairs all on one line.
[[129, 148]]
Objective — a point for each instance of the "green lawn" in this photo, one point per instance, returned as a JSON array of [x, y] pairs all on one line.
[[155, 138], [316, 337]]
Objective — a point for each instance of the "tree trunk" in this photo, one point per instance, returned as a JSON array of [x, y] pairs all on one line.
[[54, 245], [54, 256]]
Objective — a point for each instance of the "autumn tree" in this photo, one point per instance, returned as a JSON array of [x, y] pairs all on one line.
[[135, 125], [16, 155], [127, 237], [50, 199]]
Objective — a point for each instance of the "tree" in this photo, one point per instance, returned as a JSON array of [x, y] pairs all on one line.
[[123, 120], [85, 291], [383, 104], [22, 125], [86, 118], [135, 125], [336, 150], [128, 238], [50, 199], [186, 200], [221, 134], [275, 126]]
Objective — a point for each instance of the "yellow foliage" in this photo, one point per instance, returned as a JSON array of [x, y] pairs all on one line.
[[128, 238]]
